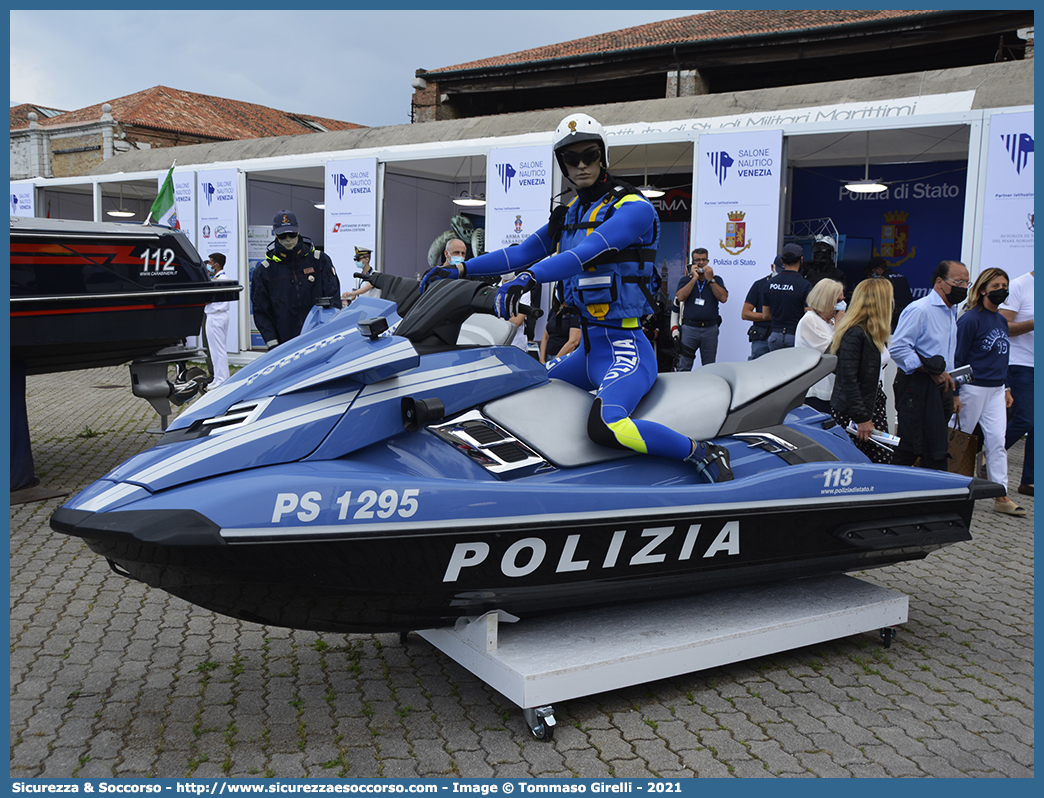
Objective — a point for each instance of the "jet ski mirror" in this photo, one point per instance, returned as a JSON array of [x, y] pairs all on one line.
[[417, 413], [373, 327]]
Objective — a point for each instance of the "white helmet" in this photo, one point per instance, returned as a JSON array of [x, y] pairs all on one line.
[[579, 127]]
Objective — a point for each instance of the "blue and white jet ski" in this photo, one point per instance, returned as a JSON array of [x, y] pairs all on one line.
[[387, 474]]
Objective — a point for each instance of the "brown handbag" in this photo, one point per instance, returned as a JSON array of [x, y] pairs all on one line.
[[960, 458]]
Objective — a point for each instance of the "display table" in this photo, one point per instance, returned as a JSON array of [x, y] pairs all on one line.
[[537, 661]]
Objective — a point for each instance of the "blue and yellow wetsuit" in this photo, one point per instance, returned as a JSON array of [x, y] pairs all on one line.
[[605, 257]]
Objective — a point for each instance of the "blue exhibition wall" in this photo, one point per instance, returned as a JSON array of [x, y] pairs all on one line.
[[915, 224], [675, 211]]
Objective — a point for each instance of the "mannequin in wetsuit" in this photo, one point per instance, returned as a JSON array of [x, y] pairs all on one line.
[[602, 246]]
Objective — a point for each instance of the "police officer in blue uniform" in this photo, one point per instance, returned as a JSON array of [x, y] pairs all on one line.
[[284, 287], [602, 246], [785, 297], [753, 311], [699, 293]]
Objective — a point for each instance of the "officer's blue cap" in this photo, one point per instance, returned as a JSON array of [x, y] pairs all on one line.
[[792, 253], [284, 222]]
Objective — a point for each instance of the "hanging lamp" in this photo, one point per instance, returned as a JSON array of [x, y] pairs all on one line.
[[469, 200], [649, 192], [866, 185], [122, 212]]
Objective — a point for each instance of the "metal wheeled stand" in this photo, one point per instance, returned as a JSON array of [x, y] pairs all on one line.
[[538, 661]]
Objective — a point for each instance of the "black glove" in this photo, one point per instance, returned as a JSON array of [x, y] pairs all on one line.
[[438, 273], [510, 294]]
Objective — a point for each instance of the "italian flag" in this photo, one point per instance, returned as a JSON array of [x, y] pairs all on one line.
[[163, 209]]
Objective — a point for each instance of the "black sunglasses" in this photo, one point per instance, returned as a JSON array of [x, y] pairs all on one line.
[[591, 155], [281, 236]]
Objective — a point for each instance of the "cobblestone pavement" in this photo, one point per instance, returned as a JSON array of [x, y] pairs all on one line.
[[111, 678]]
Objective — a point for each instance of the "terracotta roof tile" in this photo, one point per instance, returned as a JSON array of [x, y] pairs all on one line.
[[164, 108], [710, 26], [20, 114]]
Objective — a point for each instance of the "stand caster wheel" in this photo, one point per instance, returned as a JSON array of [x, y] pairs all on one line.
[[888, 635], [541, 721]]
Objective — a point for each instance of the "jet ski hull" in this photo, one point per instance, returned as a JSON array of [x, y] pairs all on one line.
[[406, 578]]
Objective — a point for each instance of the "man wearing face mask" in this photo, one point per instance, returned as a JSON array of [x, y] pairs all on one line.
[[923, 348], [217, 324], [287, 283], [453, 258], [453, 254], [602, 245], [362, 264]]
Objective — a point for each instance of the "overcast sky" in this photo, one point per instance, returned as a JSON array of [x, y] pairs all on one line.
[[354, 66]]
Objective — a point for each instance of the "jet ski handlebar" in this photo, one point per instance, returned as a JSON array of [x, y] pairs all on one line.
[[434, 320], [482, 302], [485, 301]]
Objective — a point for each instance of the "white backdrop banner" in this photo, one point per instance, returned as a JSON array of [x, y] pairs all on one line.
[[1007, 220], [351, 214], [23, 202], [736, 209], [185, 204], [217, 226], [518, 187], [258, 237]]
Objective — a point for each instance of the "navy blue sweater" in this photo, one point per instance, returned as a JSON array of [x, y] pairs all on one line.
[[982, 343]]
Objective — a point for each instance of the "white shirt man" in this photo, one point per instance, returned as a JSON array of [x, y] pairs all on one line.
[[362, 263], [217, 323]]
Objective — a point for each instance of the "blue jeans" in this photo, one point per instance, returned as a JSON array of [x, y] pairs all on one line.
[[704, 339], [1020, 380], [778, 340]]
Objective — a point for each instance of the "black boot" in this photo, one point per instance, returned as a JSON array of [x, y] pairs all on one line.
[[713, 465]]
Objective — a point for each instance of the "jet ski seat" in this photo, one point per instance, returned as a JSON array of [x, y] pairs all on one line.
[[766, 389], [552, 419], [712, 401]]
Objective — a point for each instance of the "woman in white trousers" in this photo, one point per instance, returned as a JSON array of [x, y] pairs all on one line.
[[982, 343]]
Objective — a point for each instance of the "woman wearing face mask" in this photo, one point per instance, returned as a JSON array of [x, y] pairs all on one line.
[[826, 307], [982, 343]]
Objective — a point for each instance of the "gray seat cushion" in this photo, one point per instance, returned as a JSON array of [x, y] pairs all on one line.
[[750, 379], [552, 418]]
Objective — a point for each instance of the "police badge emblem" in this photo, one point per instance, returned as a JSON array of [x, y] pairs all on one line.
[[736, 240], [895, 234], [895, 239]]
